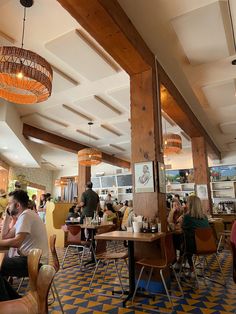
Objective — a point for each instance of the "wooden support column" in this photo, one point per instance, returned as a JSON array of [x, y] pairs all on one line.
[[201, 171], [145, 140], [84, 175]]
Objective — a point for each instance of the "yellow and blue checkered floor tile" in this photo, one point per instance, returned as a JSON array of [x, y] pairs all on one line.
[[73, 286]]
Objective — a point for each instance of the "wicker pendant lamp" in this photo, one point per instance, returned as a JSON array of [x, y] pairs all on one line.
[[172, 143], [25, 77], [89, 156]]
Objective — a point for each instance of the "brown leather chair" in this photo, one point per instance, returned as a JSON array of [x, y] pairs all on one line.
[[233, 246], [56, 265], [167, 261], [206, 246], [35, 302], [73, 240]]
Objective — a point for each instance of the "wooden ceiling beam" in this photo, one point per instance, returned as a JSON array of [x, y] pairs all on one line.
[[108, 24], [49, 139]]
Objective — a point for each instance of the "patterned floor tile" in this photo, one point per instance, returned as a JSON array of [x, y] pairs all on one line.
[[73, 287]]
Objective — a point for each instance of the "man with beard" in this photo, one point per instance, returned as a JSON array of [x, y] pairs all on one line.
[[28, 233]]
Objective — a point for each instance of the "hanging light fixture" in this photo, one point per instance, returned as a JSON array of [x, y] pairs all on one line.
[[62, 181], [89, 156], [25, 77], [172, 143]]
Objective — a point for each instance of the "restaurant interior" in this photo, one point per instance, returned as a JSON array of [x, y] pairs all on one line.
[[137, 97]]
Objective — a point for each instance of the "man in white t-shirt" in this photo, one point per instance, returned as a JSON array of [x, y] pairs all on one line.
[[28, 233]]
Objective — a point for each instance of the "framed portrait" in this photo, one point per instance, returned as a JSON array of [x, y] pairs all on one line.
[[143, 177], [202, 191], [161, 177]]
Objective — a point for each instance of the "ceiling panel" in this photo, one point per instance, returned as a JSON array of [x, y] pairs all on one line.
[[43, 122], [6, 40], [220, 95], [61, 81], [74, 51], [232, 146], [124, 127], [98, 109], [64, 113], [228, 127], [122, 95], [78, 137], [227, 114], [202, 39]]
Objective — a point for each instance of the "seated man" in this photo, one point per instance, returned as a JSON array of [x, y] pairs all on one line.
[[29, 232]]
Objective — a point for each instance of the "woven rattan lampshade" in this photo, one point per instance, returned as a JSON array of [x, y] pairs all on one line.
[[61, 182], [89, 157], [25, 77], [172, 143]]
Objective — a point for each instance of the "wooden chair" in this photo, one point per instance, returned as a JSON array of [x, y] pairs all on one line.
[[206, 246], [56, 265], [167, 261], [233, 246], [73, 240], [33, 265], [105, 256], [35, 302]]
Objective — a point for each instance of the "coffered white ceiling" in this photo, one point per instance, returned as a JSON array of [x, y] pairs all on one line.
[[193, 40]]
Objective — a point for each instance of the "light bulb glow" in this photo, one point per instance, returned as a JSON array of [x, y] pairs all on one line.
[[20, 75]]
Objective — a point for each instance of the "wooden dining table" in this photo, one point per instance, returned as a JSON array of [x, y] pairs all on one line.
[[131, 237]]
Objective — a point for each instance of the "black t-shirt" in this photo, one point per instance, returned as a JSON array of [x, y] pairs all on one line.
[[90, 200]]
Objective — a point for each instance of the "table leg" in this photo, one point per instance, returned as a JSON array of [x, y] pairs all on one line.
[[131, 272], [93, 258]]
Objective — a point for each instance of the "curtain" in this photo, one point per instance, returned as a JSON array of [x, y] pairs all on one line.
[[70, 191]]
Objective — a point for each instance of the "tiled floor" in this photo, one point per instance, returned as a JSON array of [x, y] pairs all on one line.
[[73, 283]]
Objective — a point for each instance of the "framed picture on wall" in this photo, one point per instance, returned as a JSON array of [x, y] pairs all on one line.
[[161, 177], [143, 177], [202, 191]]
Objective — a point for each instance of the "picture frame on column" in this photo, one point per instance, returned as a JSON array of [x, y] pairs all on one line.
[[144, 177]]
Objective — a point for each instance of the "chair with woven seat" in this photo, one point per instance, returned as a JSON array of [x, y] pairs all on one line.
[[56, 265], [166, 261], [73, 240], [105, 256], [206, 246], [35, 302]]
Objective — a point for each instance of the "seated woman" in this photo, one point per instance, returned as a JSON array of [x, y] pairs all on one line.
[[175, 212], [109, 212], [74, 212], [194, 218], [127, 217]]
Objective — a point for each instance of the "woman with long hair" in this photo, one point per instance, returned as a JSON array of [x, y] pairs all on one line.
[[194, 218]]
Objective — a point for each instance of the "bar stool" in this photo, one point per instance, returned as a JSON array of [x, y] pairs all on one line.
[[167, 261]]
